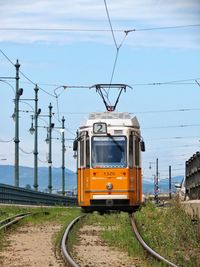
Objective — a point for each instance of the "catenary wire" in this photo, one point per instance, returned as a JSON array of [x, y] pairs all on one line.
[[176, 82], [141, 112], [173, 137], [109, 20], [97, 30], [25, 152], [57, 101], [25, 76], [6, 82], [116, 45], [42, 161], [6, 141], [172, 126]]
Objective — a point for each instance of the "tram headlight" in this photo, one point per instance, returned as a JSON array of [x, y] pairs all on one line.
[[109, 186]]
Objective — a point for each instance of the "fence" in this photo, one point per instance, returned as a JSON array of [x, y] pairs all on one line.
[[17, 195]]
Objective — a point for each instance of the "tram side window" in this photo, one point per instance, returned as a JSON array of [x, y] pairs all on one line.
[[87, 153], [137, 151], [82, 153], [131, 151]]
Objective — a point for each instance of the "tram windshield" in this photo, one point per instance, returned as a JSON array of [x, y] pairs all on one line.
[[109, 152]]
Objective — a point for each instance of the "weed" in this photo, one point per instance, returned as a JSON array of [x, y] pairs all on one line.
[[56, 215], [170, 232]]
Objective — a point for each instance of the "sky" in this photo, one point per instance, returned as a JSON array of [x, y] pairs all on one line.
[[70, 43]]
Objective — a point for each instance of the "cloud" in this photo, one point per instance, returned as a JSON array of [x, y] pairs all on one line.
[[127, 14]]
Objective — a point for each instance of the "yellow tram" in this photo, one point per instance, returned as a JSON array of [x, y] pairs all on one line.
[[109, 149]]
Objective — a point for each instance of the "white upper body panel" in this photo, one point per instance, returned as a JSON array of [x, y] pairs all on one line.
[[114, 119]]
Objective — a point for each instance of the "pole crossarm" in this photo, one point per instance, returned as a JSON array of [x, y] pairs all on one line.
[[11, 78]]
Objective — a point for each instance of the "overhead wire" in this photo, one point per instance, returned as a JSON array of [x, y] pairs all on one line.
[[42, 161], [57, 102], [176, 82], [168, 147], [64, 87], [116, 61], [28, 79], [165, 111], [6, 141], [25, 76], [25, 152], [173, 137], [7, 57], [97, 30], [116, 46], [165, 27], [6, 82], [197, 82], [24, 102], [172, 126], [143, 112], [69, 131], [109, 20]]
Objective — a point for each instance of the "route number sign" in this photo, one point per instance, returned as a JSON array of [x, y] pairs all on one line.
[[100, 128]]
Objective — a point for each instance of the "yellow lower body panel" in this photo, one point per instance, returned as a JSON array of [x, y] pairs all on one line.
[[98, 186]]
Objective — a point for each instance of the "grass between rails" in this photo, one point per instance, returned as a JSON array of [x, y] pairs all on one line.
[[172, 233], [56, 216], [8, 211], [169, 231], [117, 233]]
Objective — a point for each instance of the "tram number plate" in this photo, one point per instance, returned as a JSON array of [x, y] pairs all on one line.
[[109, 174], [100, 128]]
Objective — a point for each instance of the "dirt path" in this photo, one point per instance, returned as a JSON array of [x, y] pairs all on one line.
[[93, 252], [31, 246]]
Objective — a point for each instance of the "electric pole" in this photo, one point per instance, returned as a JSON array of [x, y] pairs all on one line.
[[35, 152], [156, 182], [63, 155], [18, 93], [170, 183], [50, 152]]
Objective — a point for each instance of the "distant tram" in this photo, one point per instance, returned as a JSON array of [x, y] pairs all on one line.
[[109, 149]]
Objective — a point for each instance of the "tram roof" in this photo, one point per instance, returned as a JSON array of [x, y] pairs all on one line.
[[113, 118]]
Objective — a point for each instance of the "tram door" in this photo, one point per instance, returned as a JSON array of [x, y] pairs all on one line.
[[136, 142], [83, 166], [135, 167]]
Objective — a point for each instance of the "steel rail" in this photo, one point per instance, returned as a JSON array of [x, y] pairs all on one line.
[[146, 247], [66, 255], [14, 219]]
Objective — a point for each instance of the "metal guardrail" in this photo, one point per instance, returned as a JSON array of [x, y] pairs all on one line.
[[11, 194]]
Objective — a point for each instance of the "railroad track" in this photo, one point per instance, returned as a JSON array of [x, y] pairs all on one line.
[[64, 249], [12, 220], [71, 262], [16, 218], [146, 247]]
